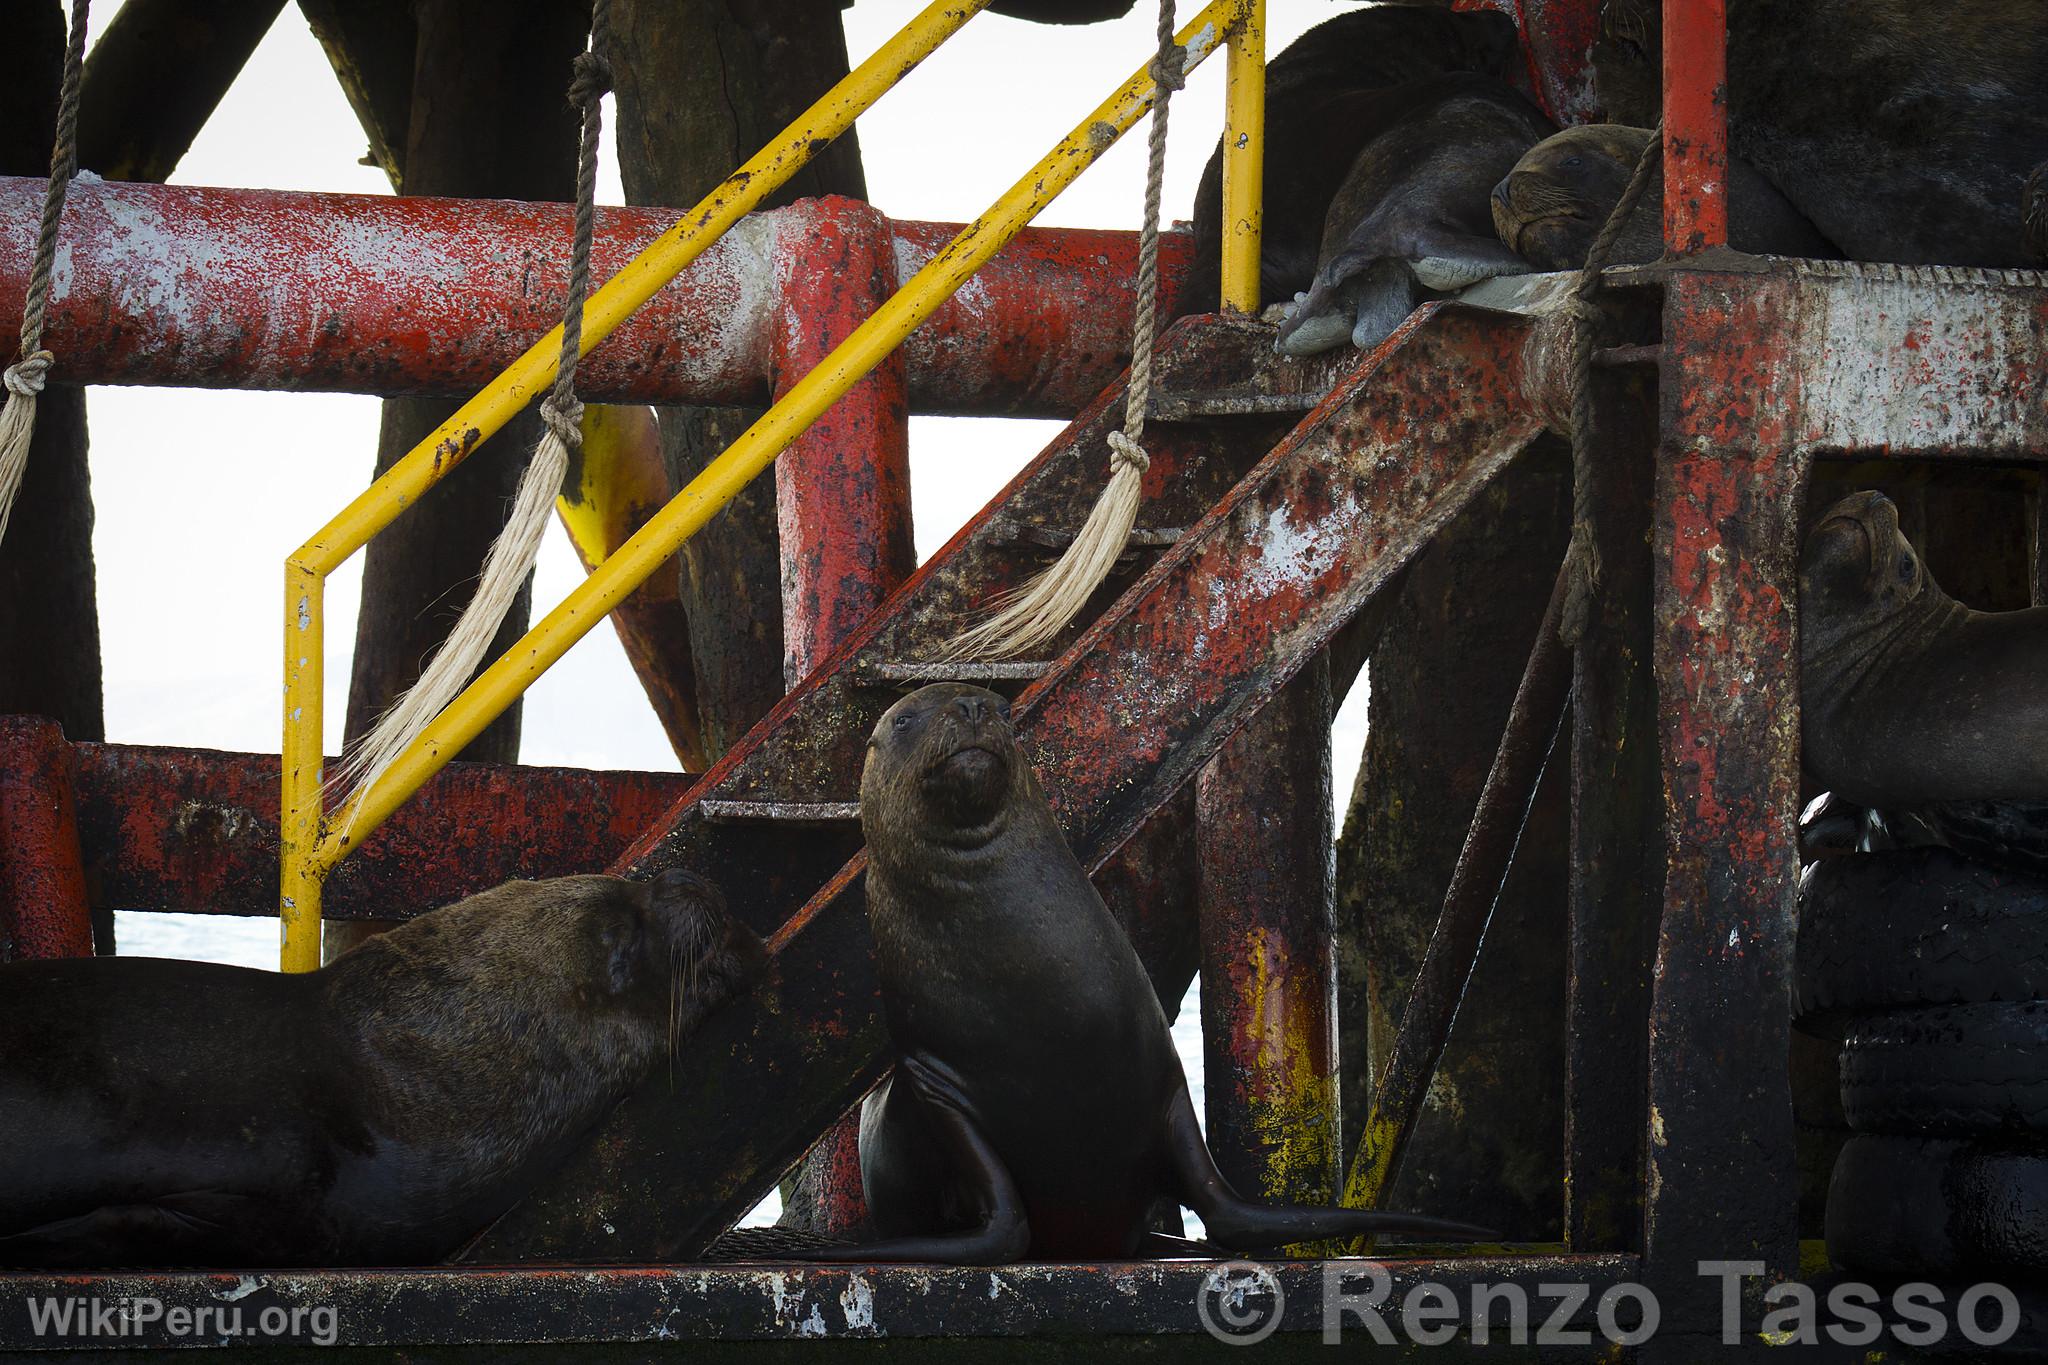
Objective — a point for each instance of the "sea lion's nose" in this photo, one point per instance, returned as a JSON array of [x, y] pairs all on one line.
[[976, 709], [1500, 192]]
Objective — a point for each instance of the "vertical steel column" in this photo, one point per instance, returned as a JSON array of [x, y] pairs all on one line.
[[1695, 125], [843, 503], [43, 910], [1721, 1182], [1617, 841], [1269, 967], [843, 487]]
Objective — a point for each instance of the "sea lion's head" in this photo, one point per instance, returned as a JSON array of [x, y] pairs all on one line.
[[941, 767], [1552, 205], [621, 970], [1858, 571]]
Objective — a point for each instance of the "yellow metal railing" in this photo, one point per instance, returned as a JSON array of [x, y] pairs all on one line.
[[312, 842]]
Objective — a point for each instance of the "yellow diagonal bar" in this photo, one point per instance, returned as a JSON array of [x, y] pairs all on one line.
[[484, 415], [757, 447]]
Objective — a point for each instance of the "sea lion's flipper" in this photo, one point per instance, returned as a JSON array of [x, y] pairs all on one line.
[[1002, 1235], [1243, 1226], [149, 1234], [1446, 260], [1355, 297]]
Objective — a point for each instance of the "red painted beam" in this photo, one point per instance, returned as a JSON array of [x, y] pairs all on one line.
[[842, 498], [1557, 45], [842, 490], [258, 289], [1695, 125], [196, 830], [43, 910]]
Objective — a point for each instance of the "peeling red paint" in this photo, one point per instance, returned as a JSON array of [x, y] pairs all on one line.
[[43, 911], [263, 289]]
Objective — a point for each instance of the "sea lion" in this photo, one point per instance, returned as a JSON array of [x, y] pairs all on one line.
[[1906, 695], [379, 1111], [1062, 11], [1902, 131], [1553, 203], [1037, 1107], [1412, 219], [1318, 92]]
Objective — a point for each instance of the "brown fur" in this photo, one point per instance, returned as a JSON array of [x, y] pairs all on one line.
[[1554, 202], [1903, 130], [1906, 695], [378, 1111]]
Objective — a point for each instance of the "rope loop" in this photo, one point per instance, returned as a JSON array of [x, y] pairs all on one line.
[[590, 79], [1125, 453], [565, 420], [1170, 68], [25, 376]]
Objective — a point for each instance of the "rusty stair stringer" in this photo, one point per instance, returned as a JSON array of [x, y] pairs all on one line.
[[1277, 560]]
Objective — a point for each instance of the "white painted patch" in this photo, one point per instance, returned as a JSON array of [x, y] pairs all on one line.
[[857, 1301]]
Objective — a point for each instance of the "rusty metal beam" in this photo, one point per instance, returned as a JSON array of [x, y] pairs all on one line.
[[196, 830], [1616, 879], [263, 289], [539, 1314], [1142, 700], [43, 910], [1557, 45], [1695, 125], [842, 498], [1269, 967]]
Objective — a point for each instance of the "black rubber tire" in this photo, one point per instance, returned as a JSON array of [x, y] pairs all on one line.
[[1911, 928], [1956, 1071], [1939, 1206]]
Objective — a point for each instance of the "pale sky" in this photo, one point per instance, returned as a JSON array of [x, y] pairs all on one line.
[[200, 494]]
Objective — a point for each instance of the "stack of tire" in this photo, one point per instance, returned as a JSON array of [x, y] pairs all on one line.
[[1933, 971]]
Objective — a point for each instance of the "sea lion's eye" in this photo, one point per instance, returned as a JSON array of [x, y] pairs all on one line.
[[1905, 568], [903, 722], [1572, 161]]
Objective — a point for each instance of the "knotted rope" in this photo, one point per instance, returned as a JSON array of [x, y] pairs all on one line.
[[23, 379], [1043, 607], [513, 553], [1582, 556]]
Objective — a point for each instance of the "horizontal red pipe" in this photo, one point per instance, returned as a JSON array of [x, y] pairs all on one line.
[[260, 289], [196, 830]]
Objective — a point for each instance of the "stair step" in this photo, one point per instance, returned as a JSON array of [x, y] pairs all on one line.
[[1193, 407], [782, 812], [1058, 538], [893, 674]]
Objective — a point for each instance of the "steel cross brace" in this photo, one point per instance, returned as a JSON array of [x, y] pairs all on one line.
[[1132, 710]]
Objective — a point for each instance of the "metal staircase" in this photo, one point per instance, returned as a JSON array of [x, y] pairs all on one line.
[[1291, 532]]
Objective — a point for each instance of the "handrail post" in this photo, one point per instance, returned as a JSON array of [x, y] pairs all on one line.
[[1244, 160], [300, 832], [307, 847]]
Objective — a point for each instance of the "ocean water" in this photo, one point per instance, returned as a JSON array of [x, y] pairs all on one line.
[[243, 942]]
